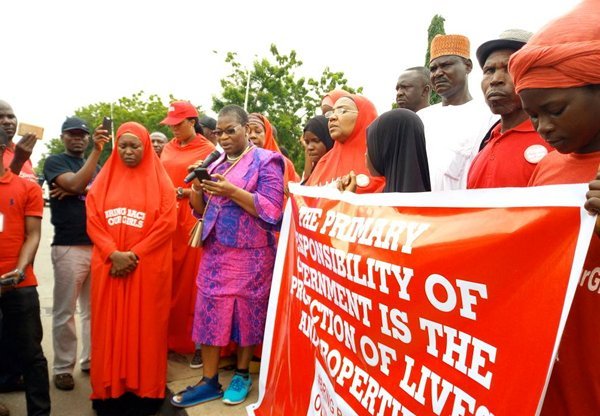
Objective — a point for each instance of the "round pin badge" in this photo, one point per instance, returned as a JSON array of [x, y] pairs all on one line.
[[362, 180], [535, 153]]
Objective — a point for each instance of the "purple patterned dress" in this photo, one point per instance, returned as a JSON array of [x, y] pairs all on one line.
[[234, 279]]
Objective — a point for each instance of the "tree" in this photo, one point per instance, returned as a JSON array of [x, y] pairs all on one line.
[[287, 100], [436, 27], [146, 111]]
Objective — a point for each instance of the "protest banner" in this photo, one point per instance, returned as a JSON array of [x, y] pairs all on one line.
[[420, 304]]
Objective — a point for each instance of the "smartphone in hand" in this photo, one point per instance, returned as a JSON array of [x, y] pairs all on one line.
[[202, 174], [107, 124]]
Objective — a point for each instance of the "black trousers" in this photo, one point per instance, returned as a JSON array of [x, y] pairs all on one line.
[[21, 346]]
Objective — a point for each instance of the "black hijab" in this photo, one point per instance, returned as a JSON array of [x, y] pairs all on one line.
[[396, 149], [318, 126]]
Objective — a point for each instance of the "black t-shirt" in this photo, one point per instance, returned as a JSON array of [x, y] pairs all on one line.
[[68, 214]]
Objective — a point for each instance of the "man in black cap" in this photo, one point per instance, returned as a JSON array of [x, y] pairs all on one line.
[[208, 124], [69, 175], [512, 149]]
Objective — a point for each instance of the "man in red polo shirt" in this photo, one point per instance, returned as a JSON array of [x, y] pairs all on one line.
[[16, 156], [513, 148], [21, 207]]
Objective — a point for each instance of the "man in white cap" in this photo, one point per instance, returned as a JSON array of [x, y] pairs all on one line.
[[158, 140], [513, 148], [453, 128]]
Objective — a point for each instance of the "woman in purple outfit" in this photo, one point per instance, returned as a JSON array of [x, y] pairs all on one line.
[[242, 208]]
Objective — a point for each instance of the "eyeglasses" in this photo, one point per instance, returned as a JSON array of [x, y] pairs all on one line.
[[339, 112], [227, 132]]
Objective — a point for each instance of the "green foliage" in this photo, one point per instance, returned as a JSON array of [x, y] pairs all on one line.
[[436, 27], [277, 92], [148, 111]]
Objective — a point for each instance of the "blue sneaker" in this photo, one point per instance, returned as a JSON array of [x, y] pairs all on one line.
[[238, 389], [204, 391]]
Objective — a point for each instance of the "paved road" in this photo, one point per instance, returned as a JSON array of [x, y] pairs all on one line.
[[76, 402]]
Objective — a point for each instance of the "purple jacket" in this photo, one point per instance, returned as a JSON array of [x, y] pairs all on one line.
[[259, 172]]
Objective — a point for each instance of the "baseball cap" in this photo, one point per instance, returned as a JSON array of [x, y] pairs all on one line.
[[513, 39], [179, 111], [75, 123], [209, 122]]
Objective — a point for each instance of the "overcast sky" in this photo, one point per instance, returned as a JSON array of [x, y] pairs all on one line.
[[61, 55]]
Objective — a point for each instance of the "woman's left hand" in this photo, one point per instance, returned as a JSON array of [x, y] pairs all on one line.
[[219, 186], [347, 182]]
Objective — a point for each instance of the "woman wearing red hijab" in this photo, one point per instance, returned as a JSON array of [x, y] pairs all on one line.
[[557, 76], [327, 103], [261, 134], [330, 98], [348, 122], [186, 148], [131, 217]]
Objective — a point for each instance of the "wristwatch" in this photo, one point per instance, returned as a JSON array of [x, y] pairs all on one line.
[[21, 275], [179, 192]]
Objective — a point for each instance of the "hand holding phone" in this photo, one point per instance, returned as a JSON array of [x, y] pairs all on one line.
[[107, 125], [202, 174]]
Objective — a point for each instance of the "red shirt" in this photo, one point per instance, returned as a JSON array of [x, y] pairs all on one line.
[[19, 198], [574, 387], [27, 169], [508, 159]]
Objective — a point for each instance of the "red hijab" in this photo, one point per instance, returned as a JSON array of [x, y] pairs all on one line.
[[270, 144], [350, 155], [144, 184], [332, 96], [563, 54], [131, 209]]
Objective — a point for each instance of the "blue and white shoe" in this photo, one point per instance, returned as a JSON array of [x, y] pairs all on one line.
[[238, 389], [204, 391]]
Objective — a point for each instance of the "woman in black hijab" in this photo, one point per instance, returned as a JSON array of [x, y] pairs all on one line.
[[317, 141], [396, 150]]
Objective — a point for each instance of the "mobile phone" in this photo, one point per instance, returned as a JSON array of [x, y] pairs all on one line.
[[107, 124], [25, 128], [202, 174]]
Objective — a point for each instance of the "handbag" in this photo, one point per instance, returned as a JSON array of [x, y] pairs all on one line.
[[196, 234]]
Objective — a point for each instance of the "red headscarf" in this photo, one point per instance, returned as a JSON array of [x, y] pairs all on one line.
[[144, 183], [270, 144], [332, 96], [350, 155], [563, 54], [131, 209]]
